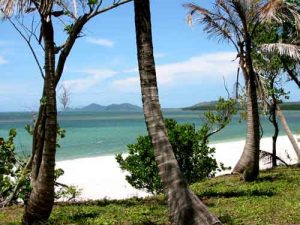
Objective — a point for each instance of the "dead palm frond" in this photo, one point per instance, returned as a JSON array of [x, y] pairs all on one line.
[[75, 8], [9, 7], [216, 23], [290, 50], [280, 11]]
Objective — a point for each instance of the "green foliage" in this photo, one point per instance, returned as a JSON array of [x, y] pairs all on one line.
[[11, 169], [13, 172], [43, 101], [190, 147], [141, 165], [93, 2], [68, 28]]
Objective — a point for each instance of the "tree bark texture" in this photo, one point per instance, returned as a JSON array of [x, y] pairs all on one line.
[[248, 164], [185, 206], [41, 199]]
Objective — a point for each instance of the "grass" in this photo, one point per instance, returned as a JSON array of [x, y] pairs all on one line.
[[273, 199]]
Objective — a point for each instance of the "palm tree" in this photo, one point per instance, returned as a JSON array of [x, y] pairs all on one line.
[[235, 21], [42, 162], [282, 12], [185, 207]]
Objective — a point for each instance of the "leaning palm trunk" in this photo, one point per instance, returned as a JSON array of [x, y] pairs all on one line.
[[41, 199], [185, 207], [248, 164], [249, 161], [287, 130]]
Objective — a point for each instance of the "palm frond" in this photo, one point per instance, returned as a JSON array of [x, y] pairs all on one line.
[[270, 10], [215, 24], [262, 91], [290, 50], [9, 7], [75, 8], [280, 11]]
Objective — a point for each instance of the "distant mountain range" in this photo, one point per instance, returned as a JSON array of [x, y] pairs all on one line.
[[111, 108], [212, 105]]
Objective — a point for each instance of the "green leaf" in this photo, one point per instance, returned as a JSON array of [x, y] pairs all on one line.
[[93, 2]]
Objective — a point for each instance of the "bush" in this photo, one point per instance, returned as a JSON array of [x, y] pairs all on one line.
[[195, 160], [11, 167], [194, 156], [15, 177]]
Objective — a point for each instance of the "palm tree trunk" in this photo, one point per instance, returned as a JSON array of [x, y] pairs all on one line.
[[287, 130], [248, 164], [185, 207], [41, 199]]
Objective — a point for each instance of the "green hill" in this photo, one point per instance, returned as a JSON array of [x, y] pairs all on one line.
[[212, 105], [124, 107], [273, 199]]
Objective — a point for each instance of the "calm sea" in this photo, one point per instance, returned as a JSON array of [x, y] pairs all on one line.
[[91, 134]]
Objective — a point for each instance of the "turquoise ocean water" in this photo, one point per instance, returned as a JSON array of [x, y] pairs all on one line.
[[91, 134]]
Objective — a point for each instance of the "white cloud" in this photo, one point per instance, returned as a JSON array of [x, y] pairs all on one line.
[[3, 60], [129, 84], [200, 69], [101, 42], [93, 78]]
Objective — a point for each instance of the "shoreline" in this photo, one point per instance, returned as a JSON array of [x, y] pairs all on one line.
[[100, 176]]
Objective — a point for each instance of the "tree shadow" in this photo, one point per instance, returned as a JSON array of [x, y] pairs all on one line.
[[135, 201], [236, 193], [271, 177]]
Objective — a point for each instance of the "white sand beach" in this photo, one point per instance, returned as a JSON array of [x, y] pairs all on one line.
[[101, 177]]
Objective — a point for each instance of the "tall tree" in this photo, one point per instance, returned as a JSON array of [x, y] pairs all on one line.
[[235, 21], [42, 162], [185, 207], [285, 15], [271, 67]]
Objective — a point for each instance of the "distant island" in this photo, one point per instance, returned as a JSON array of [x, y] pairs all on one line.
[[211, 105], [111, 108]]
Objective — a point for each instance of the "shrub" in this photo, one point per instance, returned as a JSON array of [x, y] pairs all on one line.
[[15, 177], [195, 160], [194, 156]]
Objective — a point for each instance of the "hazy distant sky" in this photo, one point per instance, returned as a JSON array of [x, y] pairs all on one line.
[[102, 67]]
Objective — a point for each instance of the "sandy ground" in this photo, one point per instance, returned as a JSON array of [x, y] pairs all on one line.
[[101, 177]]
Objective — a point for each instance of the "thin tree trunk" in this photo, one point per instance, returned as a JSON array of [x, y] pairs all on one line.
[[273, 120], [287, 130], [248, 164], [41, 199], [185, 207]]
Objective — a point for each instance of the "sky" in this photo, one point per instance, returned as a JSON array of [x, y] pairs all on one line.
[[102, 67]]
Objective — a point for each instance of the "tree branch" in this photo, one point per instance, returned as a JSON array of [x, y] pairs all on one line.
[[30, 47], [114, 5], [74, 34]]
